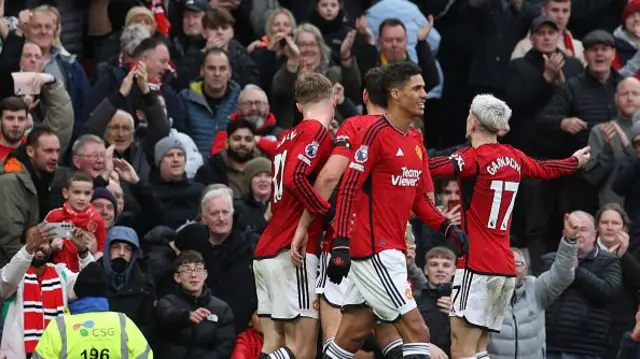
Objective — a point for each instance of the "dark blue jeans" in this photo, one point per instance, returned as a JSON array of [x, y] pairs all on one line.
[[557, 355]]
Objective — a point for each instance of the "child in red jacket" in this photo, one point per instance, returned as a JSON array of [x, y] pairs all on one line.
[[249, 342], [77, 209]]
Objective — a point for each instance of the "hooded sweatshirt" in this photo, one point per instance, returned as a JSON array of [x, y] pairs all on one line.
[[126, 235]]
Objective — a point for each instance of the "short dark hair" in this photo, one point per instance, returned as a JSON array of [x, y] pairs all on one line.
[[37, 132], [397, 75], [13, 103], [373, 85], [146, 45], [217, 17], [391, 22], [240, 123], [215, 51], [77, 176], [187, 257]]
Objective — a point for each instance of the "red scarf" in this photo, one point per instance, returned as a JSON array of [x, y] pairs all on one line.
[[568, 43], [86, 220], [43, 301], [162, 22]]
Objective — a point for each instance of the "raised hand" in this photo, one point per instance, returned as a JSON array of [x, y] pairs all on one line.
[[141, 77], [125, 171], [583, 155], [425, 29], [347, 45], [127, 83]]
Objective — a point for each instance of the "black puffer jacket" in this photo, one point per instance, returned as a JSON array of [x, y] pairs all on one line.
[[438, 322], [579, 321], [157, 259], [180, 338], [180, 200], [252, 216]]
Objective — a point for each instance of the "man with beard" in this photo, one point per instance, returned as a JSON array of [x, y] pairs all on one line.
[[130, 292], [34, 291], [13, 124], [227, 167], [253, 105], [25, 177]]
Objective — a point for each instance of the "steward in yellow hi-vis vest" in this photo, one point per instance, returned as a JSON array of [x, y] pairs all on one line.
[[92, 331]]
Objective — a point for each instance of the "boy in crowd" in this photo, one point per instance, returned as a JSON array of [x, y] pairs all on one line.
[[79, 211]]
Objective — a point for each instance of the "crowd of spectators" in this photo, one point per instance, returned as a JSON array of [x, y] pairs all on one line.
[[149, 125]]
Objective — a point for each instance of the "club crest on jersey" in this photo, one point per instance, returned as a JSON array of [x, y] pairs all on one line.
[[92, 226], [312, 149], [419, 152]]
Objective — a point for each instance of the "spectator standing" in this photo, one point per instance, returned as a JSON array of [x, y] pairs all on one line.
[[523, 330], [597, 285], [91, 308], [25, 178], [228, 166], [27, 307], [611, 149], [227, 255], [209, 102], [253, 105], [178, 194], [435, 300], [218, 31], [612, 226], [130, 38], [130, 291], [560, 12], [197, 324], [13, 124], [252, 206], [625, 185], [190, 38]]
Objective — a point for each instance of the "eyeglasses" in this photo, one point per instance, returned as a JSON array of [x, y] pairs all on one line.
[[94, 156], [249, 104], [190, 271]]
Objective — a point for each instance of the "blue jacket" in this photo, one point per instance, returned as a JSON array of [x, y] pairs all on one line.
[[202, 123], [111, 82]]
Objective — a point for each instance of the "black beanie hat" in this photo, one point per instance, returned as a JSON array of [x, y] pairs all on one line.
[[91, 282]]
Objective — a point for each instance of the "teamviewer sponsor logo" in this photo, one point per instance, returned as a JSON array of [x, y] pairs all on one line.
[[408, 178]]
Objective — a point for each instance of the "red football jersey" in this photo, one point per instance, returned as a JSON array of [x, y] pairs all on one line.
[[301, 153], [347, 134], [89, 220], [382, 184], [489, 177]]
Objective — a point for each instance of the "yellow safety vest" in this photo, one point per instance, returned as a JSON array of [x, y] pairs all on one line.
[[98, 335]]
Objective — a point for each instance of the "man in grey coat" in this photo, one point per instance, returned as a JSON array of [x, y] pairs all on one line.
[[522, 334]]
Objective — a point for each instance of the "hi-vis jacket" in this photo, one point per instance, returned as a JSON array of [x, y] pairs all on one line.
[[96, 335]]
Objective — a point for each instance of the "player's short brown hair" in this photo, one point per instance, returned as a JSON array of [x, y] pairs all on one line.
[[440, 252], [217, 17], [77, 177], [312, 88]]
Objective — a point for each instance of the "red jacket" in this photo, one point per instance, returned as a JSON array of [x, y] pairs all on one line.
[[248, 345], [89, 220], [265, 145]]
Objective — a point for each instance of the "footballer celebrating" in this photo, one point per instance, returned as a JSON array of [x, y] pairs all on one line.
[[286, 293], [489, 175], [380, 187]]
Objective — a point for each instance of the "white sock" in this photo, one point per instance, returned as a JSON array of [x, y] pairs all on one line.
[[415, 349], [333, 351], [281, 353], [390, 346], [482, 355], [326, 344]]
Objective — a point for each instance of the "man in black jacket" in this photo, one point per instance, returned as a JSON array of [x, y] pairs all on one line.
[[531, 82], [196, 324], [578, 322], [227, 255]]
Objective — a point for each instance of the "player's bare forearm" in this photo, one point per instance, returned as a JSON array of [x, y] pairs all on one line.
[[551, 169]]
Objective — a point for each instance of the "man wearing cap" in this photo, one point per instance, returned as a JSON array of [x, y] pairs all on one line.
[[611, 148], [559, 11], [130, 291], [532, 80], [179, 195], [92, 330], [191, 39], [565, 122]]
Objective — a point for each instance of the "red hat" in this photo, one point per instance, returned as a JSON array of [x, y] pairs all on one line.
[[632, 6]]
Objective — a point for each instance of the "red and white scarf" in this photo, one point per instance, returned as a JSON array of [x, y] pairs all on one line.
[[43, 301], [162, 22]]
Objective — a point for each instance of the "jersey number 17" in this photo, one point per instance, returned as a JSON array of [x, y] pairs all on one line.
[[499, 188]]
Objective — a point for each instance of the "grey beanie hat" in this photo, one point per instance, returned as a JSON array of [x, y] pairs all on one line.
[[165, 145], [635, 129]]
